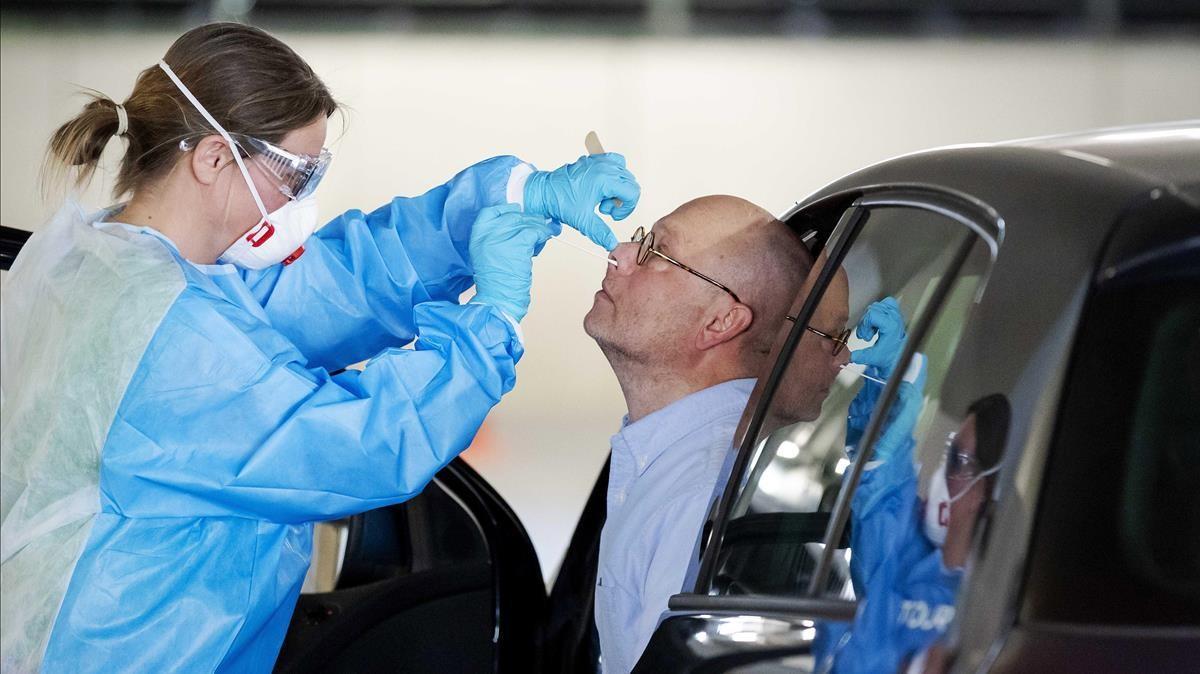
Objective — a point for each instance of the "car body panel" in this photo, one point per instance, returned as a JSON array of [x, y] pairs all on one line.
[[1072, 208]]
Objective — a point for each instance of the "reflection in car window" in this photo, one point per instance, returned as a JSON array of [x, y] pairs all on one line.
[[910, 565], [829, 423], [778, 518]]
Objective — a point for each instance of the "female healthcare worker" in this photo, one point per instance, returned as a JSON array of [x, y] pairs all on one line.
[[171, 428], [904, 573]]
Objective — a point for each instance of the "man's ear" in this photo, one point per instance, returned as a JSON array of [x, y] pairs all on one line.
[[209, 157], [722, 326]]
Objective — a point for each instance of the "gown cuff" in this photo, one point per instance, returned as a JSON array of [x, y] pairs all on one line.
[[514, 193], [511, 321]]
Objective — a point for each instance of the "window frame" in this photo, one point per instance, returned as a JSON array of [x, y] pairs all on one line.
[[853, 207]]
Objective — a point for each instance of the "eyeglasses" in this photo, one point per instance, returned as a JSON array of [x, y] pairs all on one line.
[[645, 241], [298, 174], [959, 464], [839, 342]]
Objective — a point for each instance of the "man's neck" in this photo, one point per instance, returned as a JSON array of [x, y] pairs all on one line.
[[649, 389]]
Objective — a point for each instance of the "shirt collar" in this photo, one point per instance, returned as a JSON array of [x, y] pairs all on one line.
[[648, 437]]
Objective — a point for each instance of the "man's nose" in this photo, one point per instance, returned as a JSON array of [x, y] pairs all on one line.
[[842, 358], [626, 256]]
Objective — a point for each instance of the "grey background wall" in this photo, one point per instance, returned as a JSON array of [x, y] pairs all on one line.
[[767, 118]]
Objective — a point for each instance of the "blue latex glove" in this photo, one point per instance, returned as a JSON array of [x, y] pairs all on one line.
[[883, 320], [504, 241], [571, 193], [902, 417]]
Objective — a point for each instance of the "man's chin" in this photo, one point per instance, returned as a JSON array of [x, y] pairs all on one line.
[[602, 302], [594, 322], [599, 325]]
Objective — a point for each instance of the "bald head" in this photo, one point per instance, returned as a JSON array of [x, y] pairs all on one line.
[[757, 256], [720, 218]]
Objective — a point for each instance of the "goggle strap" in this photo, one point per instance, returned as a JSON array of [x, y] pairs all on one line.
[[237, 157]]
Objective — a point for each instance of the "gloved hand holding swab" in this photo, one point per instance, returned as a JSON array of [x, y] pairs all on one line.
[[572, 193], [592, 142]]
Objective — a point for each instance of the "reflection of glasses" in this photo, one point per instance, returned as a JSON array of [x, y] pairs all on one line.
[[839, 342], [645, 241], [959, 464], [299, 173]]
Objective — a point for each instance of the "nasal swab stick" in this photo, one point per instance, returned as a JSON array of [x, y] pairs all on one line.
[[585, 250], [864, 375], [592, 142]]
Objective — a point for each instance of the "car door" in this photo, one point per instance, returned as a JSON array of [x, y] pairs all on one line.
[[778, 572], [445, 582]]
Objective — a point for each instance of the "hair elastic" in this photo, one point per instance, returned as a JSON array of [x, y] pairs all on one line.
[[122, 120]]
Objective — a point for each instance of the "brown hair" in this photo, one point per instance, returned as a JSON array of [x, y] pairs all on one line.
[[992, 416], [249, 81]]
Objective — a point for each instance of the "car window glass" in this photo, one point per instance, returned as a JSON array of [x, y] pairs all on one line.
[[780, 512], [1117, 538]]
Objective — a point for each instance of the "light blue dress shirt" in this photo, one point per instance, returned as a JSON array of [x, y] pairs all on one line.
[[664, 467]]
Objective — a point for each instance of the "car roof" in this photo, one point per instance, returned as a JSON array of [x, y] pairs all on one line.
[[1168, 153], [1091, 175]]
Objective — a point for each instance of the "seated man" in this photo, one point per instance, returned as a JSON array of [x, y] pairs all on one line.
[[687, 321]]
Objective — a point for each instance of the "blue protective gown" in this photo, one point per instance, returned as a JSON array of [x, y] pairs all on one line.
[[906, 595], [232, 437]]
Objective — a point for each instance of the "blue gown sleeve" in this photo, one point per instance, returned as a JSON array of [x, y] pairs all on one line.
[[222, 418], [909, 608], [353, 291], [881, 517], [906, 596]]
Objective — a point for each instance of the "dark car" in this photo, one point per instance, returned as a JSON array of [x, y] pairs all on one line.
[[1061, 275]]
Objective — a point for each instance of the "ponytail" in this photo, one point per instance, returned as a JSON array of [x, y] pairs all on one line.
[[250, 81], [76, 146]]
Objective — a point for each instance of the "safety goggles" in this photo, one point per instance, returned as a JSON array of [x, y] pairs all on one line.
[[298, 174], [961, 465]]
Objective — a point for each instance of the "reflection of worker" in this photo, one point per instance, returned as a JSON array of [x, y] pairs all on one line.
[[960, 487], [906, 585], [686, 321], [958, 493], [171, 429], [882, 508]]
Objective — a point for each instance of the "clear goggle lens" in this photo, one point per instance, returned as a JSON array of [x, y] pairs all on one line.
[[298, 174]]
